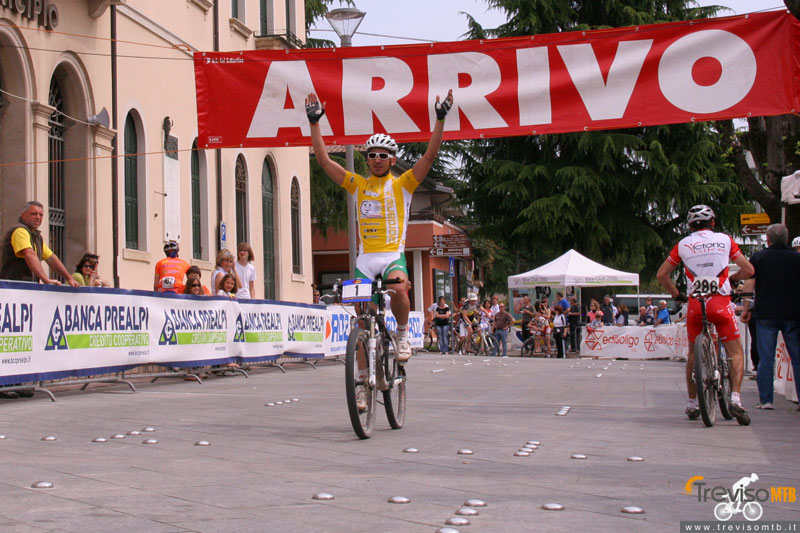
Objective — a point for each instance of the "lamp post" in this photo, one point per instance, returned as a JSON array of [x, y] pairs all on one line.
[[345, 22]]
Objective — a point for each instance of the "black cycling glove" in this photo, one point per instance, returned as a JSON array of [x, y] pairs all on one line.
[[314, 111], [442, 108]]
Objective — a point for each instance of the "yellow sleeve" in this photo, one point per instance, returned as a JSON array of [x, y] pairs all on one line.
[[20, 240], [352, 182], [408, 181]]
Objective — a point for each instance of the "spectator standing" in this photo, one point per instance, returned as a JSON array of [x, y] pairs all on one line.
[[502, 325], [486, 315], [574, 321], [194, 274], [171, 270], [469, 316], [608, 311], [224, 265], [86, 272], [527, 312], [622, 315], [777, 287], [560, 331], [495, 305], [23, 250], [562, 301], [662, 319], [594, 315], [441, 321], [246, 272], [228, 286]]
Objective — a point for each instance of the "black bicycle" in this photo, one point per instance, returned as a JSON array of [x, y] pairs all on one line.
[[371, 343], [711, 374]]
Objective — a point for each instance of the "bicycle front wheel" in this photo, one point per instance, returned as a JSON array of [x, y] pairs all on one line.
[[724, 391], [527, 347], [491, 345], [394, 398], [704, 379], [363, 420]]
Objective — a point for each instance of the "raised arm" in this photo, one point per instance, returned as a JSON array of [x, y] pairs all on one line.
[[315, 110], [423, 166]]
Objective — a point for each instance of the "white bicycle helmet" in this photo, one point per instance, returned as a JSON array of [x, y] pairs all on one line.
[[796, 242], [381, 140], [171, 246], [700, 213]]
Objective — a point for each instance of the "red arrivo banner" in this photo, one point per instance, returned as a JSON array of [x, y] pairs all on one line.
[[659, 74]]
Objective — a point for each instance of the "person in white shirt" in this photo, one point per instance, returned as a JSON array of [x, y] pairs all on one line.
[[246, 271], [495, 305]]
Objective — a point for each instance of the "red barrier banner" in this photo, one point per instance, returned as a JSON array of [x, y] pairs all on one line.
[[710, 69]]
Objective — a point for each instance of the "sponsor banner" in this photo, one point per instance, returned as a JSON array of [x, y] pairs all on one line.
[[784, 375], [337, 328], [53, 332], [675, 72], [635, 342]]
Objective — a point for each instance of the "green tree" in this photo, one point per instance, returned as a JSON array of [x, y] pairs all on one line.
[[328, 200], [618, 196]]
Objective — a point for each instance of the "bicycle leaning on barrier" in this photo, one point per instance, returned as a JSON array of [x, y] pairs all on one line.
[[371, 346]]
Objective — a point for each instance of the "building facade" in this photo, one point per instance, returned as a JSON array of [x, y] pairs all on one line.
[[98, 122]]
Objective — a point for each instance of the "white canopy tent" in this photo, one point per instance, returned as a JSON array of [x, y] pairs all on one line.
[[572, 270]]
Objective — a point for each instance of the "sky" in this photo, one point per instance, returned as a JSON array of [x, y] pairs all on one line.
[[439, 20]]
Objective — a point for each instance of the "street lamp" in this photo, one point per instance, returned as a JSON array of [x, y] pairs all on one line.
[[345, 22]]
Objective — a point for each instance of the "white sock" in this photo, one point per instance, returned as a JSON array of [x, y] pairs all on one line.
[[735, 398], [402, 331], [692, 403]]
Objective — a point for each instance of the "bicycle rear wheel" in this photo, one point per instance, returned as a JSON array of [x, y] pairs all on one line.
[[491, 345], [363, 421], [704, 380], [527, 347], [394, 398], [429, 343], [724, 391]]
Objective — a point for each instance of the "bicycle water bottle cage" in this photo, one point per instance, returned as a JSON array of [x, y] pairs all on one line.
[[356, 290]]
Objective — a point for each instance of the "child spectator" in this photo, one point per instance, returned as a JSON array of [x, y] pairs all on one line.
[[228, 286], [246, 271], [193, 274], [224, 266]]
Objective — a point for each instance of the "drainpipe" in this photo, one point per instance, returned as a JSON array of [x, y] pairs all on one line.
[[114, 149], [218, 152]]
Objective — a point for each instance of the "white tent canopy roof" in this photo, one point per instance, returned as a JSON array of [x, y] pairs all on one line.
[[572, 270]]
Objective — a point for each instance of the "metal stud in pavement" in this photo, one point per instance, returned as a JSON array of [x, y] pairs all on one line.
[[578, 456], [410, 450], [295, 399], [100, 439], [447, 530], [533, 443], [464, 451], [3, 437], [118, 436], [457, 521], [398, 499], [553, 507], [475, 503], [632, 509], [270, 404], [42, 485], [148, 429], [636, 459], [134, 432], [467, 511], [150, 441], [49, 438], [278, 403], [599, 375], [322, 496], [202, 443], [521, 454]]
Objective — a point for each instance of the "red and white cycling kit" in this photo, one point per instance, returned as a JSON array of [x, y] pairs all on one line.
[[706, 253]]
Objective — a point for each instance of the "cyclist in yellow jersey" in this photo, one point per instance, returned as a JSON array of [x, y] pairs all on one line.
[[382, 202]]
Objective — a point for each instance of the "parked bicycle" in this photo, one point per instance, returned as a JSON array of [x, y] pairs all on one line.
[[372, 344], [711, 369]]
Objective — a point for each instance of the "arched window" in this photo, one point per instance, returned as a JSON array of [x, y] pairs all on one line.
[[268, 227], [240, 177], [55, 152], [131, 184], [297, 263]]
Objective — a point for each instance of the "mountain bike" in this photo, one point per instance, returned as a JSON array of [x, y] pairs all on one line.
[[482, 342], [370, 339], [430, 343], [711, 366]]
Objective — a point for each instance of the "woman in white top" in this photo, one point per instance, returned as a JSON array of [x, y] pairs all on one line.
[[246, 271], [560, 333], [224, 266]]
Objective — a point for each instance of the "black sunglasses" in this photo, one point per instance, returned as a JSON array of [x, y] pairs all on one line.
[[379, 155], [193, 285]]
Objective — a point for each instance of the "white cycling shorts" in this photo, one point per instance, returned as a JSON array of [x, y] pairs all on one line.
[[372, 265]]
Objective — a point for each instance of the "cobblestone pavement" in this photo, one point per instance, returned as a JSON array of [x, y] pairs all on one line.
[[264, 464]]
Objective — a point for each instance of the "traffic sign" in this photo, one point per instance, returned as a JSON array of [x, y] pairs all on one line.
[[754, 218], [754, 229], [457, 239], [455, 252]]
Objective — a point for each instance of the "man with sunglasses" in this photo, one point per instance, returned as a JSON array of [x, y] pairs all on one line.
[[383, 203]]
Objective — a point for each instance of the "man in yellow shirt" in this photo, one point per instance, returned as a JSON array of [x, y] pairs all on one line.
[[24, 250], [383, 203]]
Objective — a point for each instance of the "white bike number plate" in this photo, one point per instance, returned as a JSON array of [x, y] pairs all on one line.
[[356, 290], [705, 284]]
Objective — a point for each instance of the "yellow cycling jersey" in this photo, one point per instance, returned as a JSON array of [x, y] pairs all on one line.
[[383, 205]]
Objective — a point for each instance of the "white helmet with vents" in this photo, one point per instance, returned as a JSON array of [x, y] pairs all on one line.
[[381, 140], [796, 242], [700, 213]]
